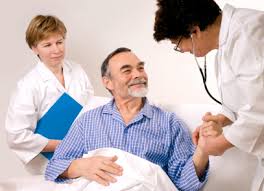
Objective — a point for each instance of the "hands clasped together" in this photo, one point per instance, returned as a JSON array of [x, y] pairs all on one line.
[[208, 136]]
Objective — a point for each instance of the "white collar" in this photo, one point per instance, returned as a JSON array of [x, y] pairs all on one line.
[[45, 72], [225, 23]]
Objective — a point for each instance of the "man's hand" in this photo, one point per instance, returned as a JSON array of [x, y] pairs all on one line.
[[215, 146], [195, 135], [98, 168]]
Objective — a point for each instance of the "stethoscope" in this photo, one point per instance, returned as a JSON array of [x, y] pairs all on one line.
[[203, 74]]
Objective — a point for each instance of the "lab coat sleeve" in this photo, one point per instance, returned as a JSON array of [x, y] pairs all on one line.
[[229, 114], [247, 131], [21, 121]]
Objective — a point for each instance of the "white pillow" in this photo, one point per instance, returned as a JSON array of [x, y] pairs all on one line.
[[94, 102]]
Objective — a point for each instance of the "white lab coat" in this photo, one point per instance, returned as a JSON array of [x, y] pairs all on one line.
[[35, 93], [240, 75]]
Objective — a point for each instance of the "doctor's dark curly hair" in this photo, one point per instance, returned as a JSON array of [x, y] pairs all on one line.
[[176, 18]]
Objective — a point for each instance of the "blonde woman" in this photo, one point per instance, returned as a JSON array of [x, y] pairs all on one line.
[[40, 88]]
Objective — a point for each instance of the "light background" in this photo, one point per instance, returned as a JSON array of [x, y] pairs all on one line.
[[95, 28]]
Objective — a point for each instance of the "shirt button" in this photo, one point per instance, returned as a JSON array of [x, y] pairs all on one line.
[[125, 129]]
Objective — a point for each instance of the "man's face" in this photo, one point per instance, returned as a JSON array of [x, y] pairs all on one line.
[[127, 76]]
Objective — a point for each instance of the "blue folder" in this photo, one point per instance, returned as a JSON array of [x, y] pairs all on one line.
[[58, 119]]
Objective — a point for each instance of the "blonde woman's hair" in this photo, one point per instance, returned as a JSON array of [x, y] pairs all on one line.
[[41, 27]]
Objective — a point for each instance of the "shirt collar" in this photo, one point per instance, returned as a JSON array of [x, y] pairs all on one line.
[[225, 23], [146, 110], [46, 74]]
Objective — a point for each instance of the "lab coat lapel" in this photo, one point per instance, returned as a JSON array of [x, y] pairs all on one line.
[[48, 76], [67, 70]]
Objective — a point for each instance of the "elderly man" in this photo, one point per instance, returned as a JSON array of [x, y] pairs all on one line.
[[128, 122]]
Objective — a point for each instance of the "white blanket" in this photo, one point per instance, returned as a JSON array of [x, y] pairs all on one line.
[[138, 175]]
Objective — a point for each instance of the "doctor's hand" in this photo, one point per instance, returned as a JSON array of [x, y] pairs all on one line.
[[220, 119], [51, 146], [212, 125], [205, 130], [215, 146], [98, 168]]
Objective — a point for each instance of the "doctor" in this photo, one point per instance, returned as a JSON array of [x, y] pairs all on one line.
[[199, 26], [40, 88]]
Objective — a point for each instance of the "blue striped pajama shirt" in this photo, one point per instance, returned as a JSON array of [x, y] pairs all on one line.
[[155, 135]]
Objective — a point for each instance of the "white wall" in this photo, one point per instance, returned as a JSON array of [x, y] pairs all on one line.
[[94, 29]]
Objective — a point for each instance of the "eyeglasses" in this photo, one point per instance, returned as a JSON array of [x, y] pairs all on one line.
[[177, 47]]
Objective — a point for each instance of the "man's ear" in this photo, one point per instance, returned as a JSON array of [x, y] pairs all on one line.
[[107, 83]]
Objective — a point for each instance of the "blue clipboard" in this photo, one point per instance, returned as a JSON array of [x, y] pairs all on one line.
[[58, 119]]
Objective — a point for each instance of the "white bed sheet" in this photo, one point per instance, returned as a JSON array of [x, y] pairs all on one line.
[[138, 175]]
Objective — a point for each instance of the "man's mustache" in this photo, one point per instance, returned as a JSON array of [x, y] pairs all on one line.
[[138, 81]]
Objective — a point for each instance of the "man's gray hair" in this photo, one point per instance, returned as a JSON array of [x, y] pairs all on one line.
[[105, 64]]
